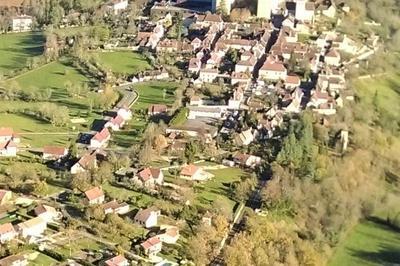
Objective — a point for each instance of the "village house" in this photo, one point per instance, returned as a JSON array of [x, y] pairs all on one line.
[[327, 10], [115, 123], [8, 149], [156, 109], [194, 65], [272, 70], [149, 177], [294, 102], [236, 100], [7, 134], [240, 78], [194, 173], [246, 65], [152, 246], [168, 46], [155, 36], [14, 260], [117, 5], [289, 35], [147, 217], [333, 58], [208, 75], [100, 139], [47, 213], [115, 207], [21, 23], [117, 261], [208, 133], [94, 196], [125, 113], [85, 163], [204, 111], [196, 44], [34, 227], [292, 81], [54, 152], [7, 232], [305, 11], [245, 138], [246, 160], [169, 234], [209, 20], [5, 196]]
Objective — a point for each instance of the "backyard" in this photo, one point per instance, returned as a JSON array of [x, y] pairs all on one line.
[[124, 62], [16, 48]]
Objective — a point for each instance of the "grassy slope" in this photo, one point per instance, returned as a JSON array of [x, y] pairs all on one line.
[[371, 242], [16, 48], [123, 62], [25, 124]]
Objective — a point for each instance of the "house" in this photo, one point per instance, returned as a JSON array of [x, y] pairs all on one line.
[[54, 152], [204, 111], [147, 217], [7, 232], [194, 65], [34, 227], [115, 207], [117, 261], [246, 65], [329, 11], [125, 113], [118, 5], [100, 138], [333, 58], [5, 196], [156, 109], [94, 196], [21, 23], [47, 213], [240, 77], [196, 100], [209, 20], [236, 100], [246, 160], [6, 134], [305, 11], [115, 123], [167, 46], [245, 137], [169, 234], [193, 172], [196, 43], [208, 75], [85, 163], [152, 246], [294, 105], [8, 149], [14, 260], [148, 177], [272, 70], [239, 44], [292, 81]]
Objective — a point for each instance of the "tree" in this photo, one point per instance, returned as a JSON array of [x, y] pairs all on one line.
[[191, 151]]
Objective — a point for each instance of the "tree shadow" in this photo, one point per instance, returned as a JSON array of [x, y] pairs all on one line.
[[384, 256]]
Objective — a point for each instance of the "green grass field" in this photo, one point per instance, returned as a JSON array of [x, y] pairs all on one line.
[[218, 186], [387, 88], [123, 62], [43, 260], [369, 243], [16, 48], [123, 194], [26, 125]]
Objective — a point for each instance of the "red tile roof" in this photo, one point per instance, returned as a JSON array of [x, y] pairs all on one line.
[[6, 131], [94, 193], [102, 135], [189, 170], [6, 228], [273, 66], [292, 79], [115, 261], [150, 242], [118, 120], [8, 144], [3, 193], [54, 150]]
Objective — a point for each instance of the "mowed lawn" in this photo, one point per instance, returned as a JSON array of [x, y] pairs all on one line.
[[123, 62], [219, 185], [16, 48], [154, 92], [35, 132], [370, 243], [54, 76]]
